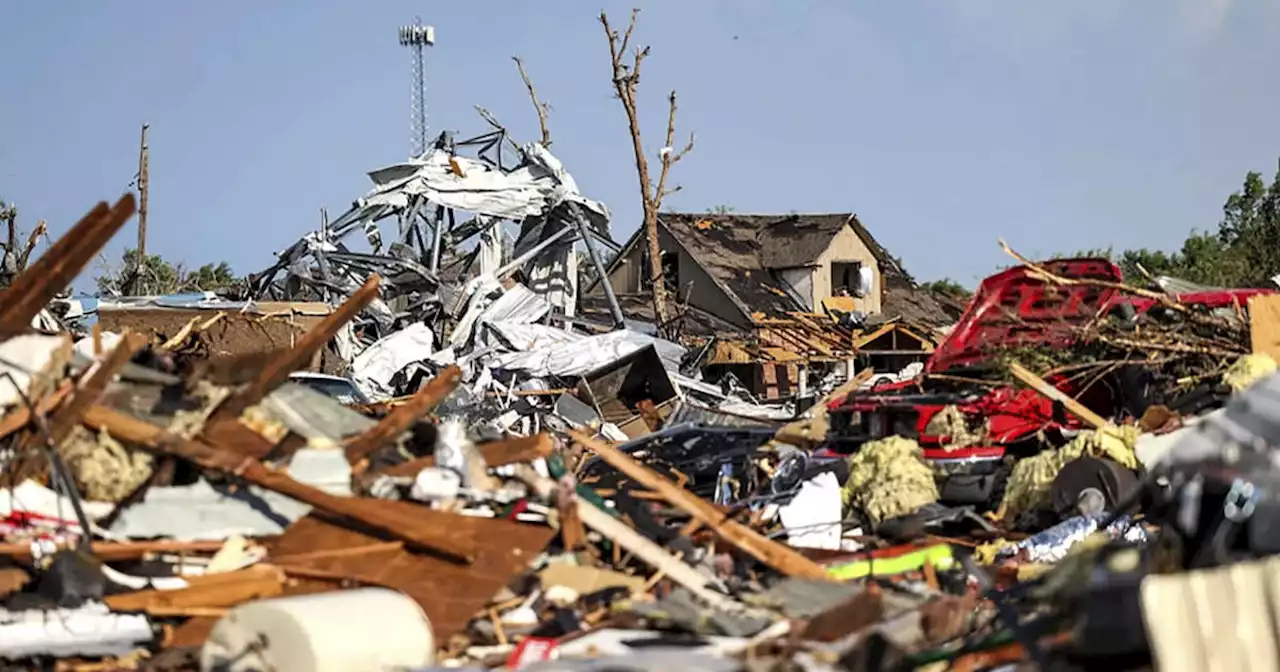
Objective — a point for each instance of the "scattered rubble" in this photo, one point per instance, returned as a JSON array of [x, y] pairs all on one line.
[[425, 457]]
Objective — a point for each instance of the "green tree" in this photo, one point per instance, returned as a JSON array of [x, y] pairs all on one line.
[[157, 276], [946, 286], [1243, 252]]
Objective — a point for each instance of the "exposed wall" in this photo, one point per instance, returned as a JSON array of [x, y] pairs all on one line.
[[801, 279], [848, 247], [704, 293]]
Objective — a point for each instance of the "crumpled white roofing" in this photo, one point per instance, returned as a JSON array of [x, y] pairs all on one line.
[[373, 369], [587, 353], [533, 189]]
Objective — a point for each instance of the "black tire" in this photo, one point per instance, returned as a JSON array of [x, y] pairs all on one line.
[[1001, 483]]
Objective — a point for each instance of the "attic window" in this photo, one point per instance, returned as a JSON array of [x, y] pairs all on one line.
[[846, 278], [670, 271]]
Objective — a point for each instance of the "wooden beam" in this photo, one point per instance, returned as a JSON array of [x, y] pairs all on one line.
[[126, 550], [778, 556], [55, 269], [417, 533], [277, 370], [1038, 384], [403, 416], [20, 416], [94, 383], [495, 453]]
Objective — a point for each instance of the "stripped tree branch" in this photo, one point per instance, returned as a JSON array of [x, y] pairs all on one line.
[[541, 107], [625, 80]]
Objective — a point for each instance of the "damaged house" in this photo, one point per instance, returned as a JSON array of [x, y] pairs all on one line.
[[779, 293]]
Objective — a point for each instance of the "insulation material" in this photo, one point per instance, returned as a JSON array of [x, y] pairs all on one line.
[[951, 424], [1032, 477], [889, 478], [1248, 370], [105, 470]]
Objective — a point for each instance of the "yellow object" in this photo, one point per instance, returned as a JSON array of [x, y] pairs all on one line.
[[951, 423], [1029, 484], [1248, 370], [939, 556], [888, 478], [986, 553]]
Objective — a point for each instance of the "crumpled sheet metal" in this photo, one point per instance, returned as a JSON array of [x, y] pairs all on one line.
[[1053, 544], [588, 354], [889, 478], [373, 369], [533, 189], [517, 305]]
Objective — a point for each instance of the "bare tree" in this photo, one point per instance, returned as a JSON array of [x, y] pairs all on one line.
[[540, 106], [626, 78], [16, 255]]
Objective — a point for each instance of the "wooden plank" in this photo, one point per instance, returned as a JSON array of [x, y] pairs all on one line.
[[55, 269], [496, 454], [1264, 325], [427, 529], [450, 594], [780, 557], [128, 550], [403, 416], [20, 416], [277, 370], [215, 590], [90, 389], [1038, 384]]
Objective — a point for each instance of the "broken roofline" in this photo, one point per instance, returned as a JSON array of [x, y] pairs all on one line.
[[884, 260]]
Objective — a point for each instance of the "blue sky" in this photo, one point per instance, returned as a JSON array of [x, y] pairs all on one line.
[[944, 124]]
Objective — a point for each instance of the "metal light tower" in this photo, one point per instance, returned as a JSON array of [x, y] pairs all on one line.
[[418, 37]]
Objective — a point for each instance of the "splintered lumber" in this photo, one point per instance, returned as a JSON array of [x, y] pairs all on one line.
[[20, 416], [780, 557], [495, 454], [1052, 393], [635, 543], [126, 550], [55, 269], [211, 591], [92, 386], [424, 531], [277, 370], [403, 416]]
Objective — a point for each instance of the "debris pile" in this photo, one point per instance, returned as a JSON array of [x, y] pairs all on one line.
[[426, 465]]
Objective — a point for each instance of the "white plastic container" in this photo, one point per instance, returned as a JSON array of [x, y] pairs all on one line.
[[370, 629]]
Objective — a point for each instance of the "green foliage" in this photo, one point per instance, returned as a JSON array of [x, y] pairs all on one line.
[[946, 286], [158, 276], [720, 210], [1244, 252]]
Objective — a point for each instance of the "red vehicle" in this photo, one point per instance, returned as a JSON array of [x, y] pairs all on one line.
[[1013, 309]]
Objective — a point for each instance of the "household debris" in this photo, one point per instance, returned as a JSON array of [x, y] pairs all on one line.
[[497, 483]]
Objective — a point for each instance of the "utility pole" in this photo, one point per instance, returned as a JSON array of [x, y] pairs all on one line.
[[418, 37], [142, 211]]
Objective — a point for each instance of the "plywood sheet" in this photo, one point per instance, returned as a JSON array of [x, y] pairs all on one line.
[[1264, 324], [449, 593]]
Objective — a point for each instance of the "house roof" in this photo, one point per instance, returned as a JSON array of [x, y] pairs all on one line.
[[728, 248], [904, 299], [742, 254]]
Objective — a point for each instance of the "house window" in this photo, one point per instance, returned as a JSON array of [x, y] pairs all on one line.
[[846, 278], [670, 271]]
